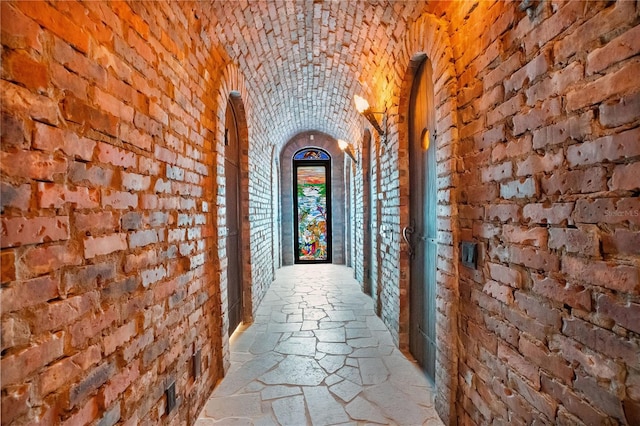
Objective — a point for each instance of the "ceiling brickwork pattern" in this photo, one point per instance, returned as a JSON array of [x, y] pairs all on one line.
[[304, 60]]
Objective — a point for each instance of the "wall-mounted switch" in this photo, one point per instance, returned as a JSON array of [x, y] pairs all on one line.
[[469, 254], [170, 392], [197, 364]]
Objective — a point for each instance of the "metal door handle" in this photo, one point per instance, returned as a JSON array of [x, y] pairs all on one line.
[[408, 230]]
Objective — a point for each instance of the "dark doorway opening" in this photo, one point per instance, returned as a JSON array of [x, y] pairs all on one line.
[[234, 218]]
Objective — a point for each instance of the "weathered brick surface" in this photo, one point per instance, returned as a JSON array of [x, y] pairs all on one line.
[[563, 228], [113, 207], [82, 153]]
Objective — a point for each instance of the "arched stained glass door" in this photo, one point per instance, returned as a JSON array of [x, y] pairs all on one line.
[[312, 206]]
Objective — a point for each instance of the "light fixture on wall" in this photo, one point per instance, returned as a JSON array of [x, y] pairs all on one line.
[[346, 147], [363, 108]]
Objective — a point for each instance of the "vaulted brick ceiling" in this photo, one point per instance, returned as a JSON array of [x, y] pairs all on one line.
[[304, 60]]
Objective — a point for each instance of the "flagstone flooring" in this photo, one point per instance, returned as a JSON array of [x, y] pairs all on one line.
[[318, 355]]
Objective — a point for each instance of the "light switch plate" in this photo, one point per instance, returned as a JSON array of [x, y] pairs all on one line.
[[469, 254]]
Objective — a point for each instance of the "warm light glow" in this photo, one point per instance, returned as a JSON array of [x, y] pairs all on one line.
[[361, 103], [425, 139], [346, 148]]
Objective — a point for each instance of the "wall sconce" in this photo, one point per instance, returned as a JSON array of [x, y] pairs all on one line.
[[346, 147], [363, 108]]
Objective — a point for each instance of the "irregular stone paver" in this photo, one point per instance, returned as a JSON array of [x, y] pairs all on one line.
[[352, 362], [290, 411], [372, 371], [336, 335], [248, 373], [395, 404], [296, 370], [363, 342], [284, 327], [309, 325], [332, 363], [361, 409], [323, 408], [298, 346], [313, 314], [279, 391], [244, 405], [333, 379], [317, 354], [334, 348], [266, 343], [346, 390], [375, 323], [353, 333], [341, 315], [366, 353], [350, 373], [294, 318]]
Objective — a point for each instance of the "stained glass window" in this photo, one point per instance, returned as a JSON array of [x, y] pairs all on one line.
[[312, 201], [311, 154]]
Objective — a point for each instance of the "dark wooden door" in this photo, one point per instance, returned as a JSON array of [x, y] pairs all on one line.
[[234, 221], [422, 232]]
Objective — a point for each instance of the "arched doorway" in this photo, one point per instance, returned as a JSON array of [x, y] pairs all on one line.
[[234, 217], [328, 144], [312, 206], [421, 235]]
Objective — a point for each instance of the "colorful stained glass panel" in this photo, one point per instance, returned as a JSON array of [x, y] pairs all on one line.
[[312, 213], [311, 154]]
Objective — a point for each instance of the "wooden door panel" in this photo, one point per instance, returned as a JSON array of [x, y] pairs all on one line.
[[233, 218], [423, 211]]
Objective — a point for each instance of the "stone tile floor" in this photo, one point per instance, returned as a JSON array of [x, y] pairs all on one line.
[[318, 355]]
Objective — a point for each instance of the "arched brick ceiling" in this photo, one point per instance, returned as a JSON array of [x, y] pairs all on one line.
[[304, 60]]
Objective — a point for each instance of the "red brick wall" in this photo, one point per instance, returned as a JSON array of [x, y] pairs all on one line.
[[109, 247], [113, 256], [549, 112]]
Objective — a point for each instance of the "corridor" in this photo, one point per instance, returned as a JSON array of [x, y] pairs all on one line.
[[167, 165], [317, 354]]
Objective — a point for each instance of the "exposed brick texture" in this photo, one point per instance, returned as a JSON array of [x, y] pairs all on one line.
[[562, 225], [113, 253], [98, 304]]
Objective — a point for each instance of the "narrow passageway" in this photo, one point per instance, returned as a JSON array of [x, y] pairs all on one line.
[[317, 354]]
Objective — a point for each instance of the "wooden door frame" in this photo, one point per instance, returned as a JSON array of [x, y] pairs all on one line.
[[235, 100], [422, 204], [232, 158]]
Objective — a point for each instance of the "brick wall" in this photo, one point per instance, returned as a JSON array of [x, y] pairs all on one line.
[[112, 195], [110, 272], [549, 142], [535, 164], [362, 215]]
